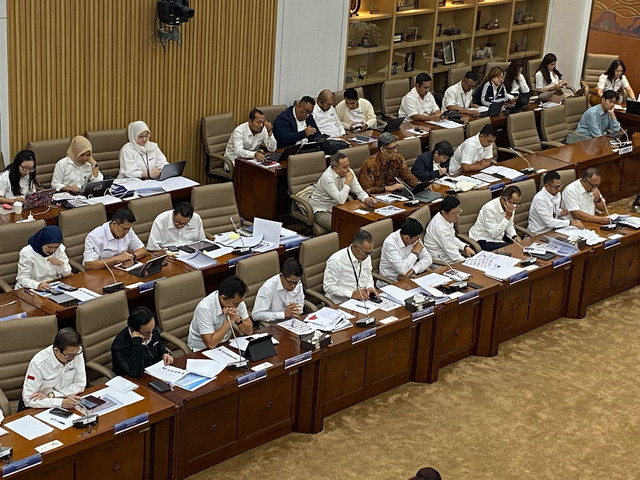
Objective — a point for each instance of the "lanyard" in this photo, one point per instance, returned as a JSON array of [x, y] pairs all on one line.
[[146, 161], [354, 268]]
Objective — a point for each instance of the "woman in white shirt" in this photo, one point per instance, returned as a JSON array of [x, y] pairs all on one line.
[[19, 179], [43, 260], [514, 80], [73, 172], [548, 78], [613, 79], [140, 158]]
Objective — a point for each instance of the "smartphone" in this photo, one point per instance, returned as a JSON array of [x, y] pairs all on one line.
[[373, 298], [60, 412], [159, 386], [67, 288], [55, 291], [90, 402], [187, 249], [171, 248]]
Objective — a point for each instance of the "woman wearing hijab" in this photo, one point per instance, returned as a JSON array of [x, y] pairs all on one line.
[[78, 168], [43, 260], [140, 158], [19, 179]]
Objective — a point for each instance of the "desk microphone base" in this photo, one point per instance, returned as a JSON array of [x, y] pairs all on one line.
[[411, 203], [529, 261], [609, 226], [239, 365], [242, 251], [6, 453], [528, 170], [365, 322], [114, 287]]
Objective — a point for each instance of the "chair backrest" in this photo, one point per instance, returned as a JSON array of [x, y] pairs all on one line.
[[215, 204], [455, 74], [215, 131], [339, 95], [146, 210], [357, 156], [254, 271], [76, 224], [528, 190], [48, 152], [455, 136], [304, 169], [532, 67], [379, 231], [14, 236], [314, 254], [522, 131], [410, 149], [574, 107], [553, 124], [272, 111], [106, 148], [423, 215], [22, 338], [392, 93], [176, 299], [566, 177], [471, 202], [596, 64], [489, 65]]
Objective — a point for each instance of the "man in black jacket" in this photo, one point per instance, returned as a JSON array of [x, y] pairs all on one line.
[[139, 345], [296, 124]]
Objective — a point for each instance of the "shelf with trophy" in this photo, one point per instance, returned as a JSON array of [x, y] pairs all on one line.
[[528, 28]]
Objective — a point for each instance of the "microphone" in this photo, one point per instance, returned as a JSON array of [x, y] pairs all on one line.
[[243, 250], [89, 420], [115, 286], [460, 283], [409, 203], [525, 261], [529, 168], [242, 362], [611, 225]]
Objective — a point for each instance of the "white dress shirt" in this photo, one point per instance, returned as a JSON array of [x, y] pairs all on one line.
[[470, 151], [133, 162], [455, 95], [339, 278], [397, 258], [605, 84], [331, 190], [540, 82], [519, 85], [208, 318], [5, 186], [244, 143], [46, 374], [101, 241], [575, 197], [165, 234], [68, 173], [328, 122], [362, 113], [492, 224], [272, 300], [412, 104], [441, 241], [544, 213], [34, 269]]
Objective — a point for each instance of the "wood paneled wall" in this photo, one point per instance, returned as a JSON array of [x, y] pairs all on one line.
[[77, 65]]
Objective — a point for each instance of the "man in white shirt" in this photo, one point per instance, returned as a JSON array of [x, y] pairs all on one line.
[[475, 153], [213, 316], [419, 103], [174, 228], [582, 197], [440, 238], [347, 273], [403, 255], [282, 295], [333, 188], [113, 242], [56, 375], [246, 139], [326, 117], [545, 212], [495, 220], [356, 113], [459, 97]]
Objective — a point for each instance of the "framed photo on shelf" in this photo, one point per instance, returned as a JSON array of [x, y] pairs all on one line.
[[406, 5], [362, 72], [448, 53]]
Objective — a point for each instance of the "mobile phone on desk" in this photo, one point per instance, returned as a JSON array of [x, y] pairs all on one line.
[[67, 288], [184, 248], [159, 386], [91, 402], [374, 298], [55, 291], [60, 412], [173, 249]]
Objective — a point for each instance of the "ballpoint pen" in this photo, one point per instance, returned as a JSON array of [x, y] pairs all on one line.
[[58, 421], [8, 303]]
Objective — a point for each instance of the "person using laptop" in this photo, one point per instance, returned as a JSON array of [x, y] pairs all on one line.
[[597, 120], [281, 296], [418, 104], [43, 260], [495, 221], [19, 178], [326, 117], [356, 113], [492, 89], [174, 228], [246, 139], [459, 97], [475, 153], [403, 255], [296, 124], [514, 80], [432, 165], [140, 158], [545, 213], [440, 237], [113, 242], [73, 172]]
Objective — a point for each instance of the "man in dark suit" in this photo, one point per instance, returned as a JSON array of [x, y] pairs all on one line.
[[296, 124]]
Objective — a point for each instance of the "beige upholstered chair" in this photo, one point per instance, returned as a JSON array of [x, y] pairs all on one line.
[[303, 170], [215, 131], [379, 231], [573, 109], [532, 66], [21, 338], [314, 254], [357, 156], [48, 152], [146, 210], [595, 65], [521, 218], [392, 93], [523, 134], [106, 148], [76, 224], [455, 136], [256, 270], [455, 74], [470, 202], [566, 177], [423, 215], [553, 124], [339, 95], [410, 149], [176, 298], [272, 111], [98, 322], [5, 407], [14, 236], [474, 127], [215, 204], [489, 65]]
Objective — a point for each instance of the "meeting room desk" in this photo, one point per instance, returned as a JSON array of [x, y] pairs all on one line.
[[144, 452], [260, 192], [49, 214], [12, 304]]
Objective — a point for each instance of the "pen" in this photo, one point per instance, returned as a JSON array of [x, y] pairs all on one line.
[[28, 291], [170, 386], [8, 303], [58, 421]]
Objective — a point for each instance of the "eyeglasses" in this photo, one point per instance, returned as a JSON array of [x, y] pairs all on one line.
[[456, 214], [27, 169], [555, 187], [178, 223], [591, 184], [144, 135], [291, 283], [72, 356], [391, 149], [147, 334]]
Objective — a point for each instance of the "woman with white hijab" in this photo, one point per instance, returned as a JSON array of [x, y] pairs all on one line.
[[140, 158]]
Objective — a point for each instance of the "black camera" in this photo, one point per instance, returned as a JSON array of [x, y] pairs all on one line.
[[174, 12]]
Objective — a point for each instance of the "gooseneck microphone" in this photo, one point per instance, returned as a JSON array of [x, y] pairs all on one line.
[[460, 283], [529, 168], [115, 286], [414, 200], [611, 225], [242, 250], [525, 261], [242, 363]]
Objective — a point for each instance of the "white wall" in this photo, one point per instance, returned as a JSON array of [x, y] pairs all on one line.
[[4, 85], [310, 48]]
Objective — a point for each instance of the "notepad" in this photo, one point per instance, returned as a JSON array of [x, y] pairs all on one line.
[[29, 427]]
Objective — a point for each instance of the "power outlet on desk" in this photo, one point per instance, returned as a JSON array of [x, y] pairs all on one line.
[[6, 453]]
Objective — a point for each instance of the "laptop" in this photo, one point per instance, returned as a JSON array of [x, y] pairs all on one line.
[[282, 156], [633, 107], [41, 198], [494, 109], [151, 267], [174, 169], [393, 124], [420, 192], [521, 102], [97, 189]]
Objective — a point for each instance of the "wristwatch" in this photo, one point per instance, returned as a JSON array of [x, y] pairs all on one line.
[[239, 323]]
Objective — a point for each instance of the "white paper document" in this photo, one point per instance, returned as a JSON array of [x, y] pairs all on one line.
[[166, 373], [56, 421], [388, 210], [390, 198], [121, 384], [29, 427], [176, 183], [205, 368], [232, 239], [446, 124], [221, 355], [198, 259], [359, 306], [297, 326], [431, 280], [485, 261], [506, 172], [329, 320], [268, 229], [503, 273]]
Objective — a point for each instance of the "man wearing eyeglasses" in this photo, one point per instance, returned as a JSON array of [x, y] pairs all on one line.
[[174, 228], [281, 296], [56, 375], [459, 97], [545, 212], [440, 237], [495, 220], [378, 172], [582, 197]]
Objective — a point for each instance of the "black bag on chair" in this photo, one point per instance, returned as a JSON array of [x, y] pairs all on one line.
[[331, 146]]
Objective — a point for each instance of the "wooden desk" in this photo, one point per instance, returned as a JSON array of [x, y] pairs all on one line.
[[12, 304], [260, 192]]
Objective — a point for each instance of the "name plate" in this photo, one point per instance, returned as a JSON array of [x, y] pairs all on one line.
[[607, 244], [425, 312], [130, 423], [297, 360], [358, 337], [624, 150], [233, 261], [521, 178], [468, 296], [150, 285], [561, 261], [292, 245], [496, 186], [15, 315], [20, 465], [518, 277], [251, 377]]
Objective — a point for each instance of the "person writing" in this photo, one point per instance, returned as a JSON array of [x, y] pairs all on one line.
[[459, 97], [432, 165], [43, 260], [495, 220], [419, 104], [73, 172]]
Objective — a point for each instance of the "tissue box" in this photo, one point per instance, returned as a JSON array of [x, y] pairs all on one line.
[[422, 301], [306, 344]]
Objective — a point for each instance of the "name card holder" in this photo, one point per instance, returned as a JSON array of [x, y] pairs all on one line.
[[233, 261], [496, 186], [518, 277], [625, 150], [607, 244], [521, 178], [131, 423], [468, 296], [561, 261], [297, 360], [21, 465], [251, 377], [150, 285], [359, 337], [425, 312], [15, 315]]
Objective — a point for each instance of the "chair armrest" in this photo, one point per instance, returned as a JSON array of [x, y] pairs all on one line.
[[224, 160], [310, 292], [567, 87], [6, 288], [4, 404], [523, 231], [172, 339], [585, 85], [310, 306], [388, 117], [551, 143], [77, 265], [310, 216], [102, 370], [472, 243], [382, 278]]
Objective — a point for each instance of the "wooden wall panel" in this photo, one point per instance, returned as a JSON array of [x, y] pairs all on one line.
[[77, 65]]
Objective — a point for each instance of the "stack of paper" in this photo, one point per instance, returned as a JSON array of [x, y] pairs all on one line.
[[221, 355], [197, 259], [121, 384], [431, 280], [28, 427], [388, 210], [328, 320], [503, 273], [166, 373], [205, 368], [559, 247], [506, 172], [390, 198], [486, 261]]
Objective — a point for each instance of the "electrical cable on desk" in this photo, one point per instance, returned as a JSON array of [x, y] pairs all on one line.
[[41, 213]]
